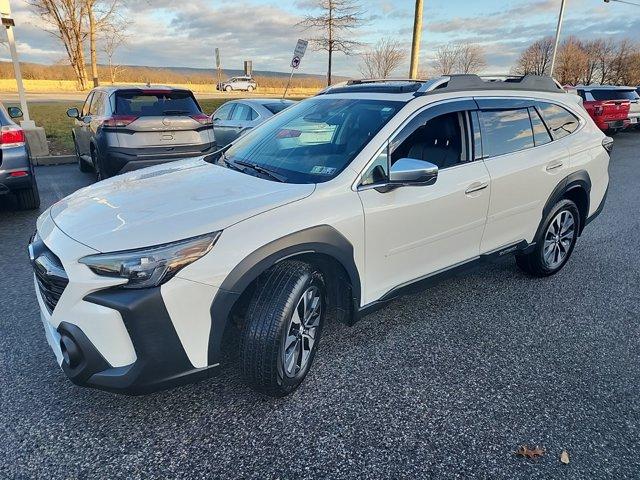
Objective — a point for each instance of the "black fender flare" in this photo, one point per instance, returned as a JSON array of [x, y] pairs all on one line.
[[322, 239], [579, 179]]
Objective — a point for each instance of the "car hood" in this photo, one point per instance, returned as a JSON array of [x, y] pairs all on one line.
[[167, 203]]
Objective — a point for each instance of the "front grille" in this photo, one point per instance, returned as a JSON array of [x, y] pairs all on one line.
[[50, 275]]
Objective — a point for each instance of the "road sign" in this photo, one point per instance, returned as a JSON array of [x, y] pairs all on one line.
[[295, 62], [301, 48]]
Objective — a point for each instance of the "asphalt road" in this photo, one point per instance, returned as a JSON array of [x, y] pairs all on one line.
[[446, 383]]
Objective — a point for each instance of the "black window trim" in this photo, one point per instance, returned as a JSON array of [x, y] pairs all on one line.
[[534, 104]]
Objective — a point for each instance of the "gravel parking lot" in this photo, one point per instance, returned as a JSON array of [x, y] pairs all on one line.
[[446, 383]]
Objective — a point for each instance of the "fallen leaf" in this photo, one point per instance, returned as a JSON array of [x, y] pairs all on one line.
[[564, 457], [525, 451]]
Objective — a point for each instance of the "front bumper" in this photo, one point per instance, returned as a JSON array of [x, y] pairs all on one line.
[[130, 341]]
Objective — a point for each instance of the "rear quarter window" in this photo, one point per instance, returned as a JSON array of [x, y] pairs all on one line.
[[505, 131], [560, 121]]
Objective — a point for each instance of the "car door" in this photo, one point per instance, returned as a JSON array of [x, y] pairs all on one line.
[[222, 130], [80, 126], [413, 232], [239, 121], [524, 164]]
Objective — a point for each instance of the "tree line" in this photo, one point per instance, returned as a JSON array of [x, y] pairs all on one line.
[[603, 61]]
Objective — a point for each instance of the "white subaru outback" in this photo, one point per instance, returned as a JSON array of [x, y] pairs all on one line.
[[329, 209]]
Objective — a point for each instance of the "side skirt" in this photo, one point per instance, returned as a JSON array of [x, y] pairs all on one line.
[[423, 283]]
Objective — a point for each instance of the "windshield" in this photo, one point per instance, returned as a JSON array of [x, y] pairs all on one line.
[[314, 140]]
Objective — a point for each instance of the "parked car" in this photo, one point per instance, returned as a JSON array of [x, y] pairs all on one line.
[[609, 106], [236, 117], [243, 83], [144, 278], [125, 128], [16, 172]]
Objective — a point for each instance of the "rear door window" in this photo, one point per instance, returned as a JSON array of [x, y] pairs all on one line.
[[560, 121], [505, 131], [241, 113], [155, 103]]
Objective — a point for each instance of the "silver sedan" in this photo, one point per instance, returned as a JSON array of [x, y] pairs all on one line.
[[236, 117]]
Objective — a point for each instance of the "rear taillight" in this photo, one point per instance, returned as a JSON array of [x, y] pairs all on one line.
[[202, 119], [598, 110], [607, 143], [118, 121], [11, 136]]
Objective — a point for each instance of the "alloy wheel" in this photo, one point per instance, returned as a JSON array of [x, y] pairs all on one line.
[[558, 239], [301, 332]]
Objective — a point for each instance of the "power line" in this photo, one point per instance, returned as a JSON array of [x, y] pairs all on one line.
[[623, 1]]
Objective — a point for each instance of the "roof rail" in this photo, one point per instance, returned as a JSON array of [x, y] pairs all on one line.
[[453, 83], [361, 81]]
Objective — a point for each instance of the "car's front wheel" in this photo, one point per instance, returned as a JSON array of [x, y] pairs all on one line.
[[555, 243], [250, 88], [282, 328]]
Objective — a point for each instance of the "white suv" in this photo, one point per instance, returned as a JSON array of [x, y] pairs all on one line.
[[329, 209]]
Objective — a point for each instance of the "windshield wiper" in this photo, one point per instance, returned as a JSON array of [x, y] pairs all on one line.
[[263, 170]]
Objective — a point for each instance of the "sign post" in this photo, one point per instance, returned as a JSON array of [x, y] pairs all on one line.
[[8, 23], [298, 53], [218, 72]]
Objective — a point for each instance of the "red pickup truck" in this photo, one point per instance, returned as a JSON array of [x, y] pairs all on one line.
[[610, 106]]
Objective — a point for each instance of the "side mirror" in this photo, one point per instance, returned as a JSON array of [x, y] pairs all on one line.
[[14, 112], [413, 172], [73, 113]]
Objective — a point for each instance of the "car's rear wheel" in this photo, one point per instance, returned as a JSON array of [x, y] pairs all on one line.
[[282, 328], [28, 198], [227, 88], [556, 241]]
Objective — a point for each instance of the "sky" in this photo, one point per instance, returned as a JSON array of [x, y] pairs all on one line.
[[185, 33]]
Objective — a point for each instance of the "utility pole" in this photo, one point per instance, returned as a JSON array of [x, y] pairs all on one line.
[[417, 36], [558, 29], [7, 21]]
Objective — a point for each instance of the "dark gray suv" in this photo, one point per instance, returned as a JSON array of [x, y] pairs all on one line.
[[125, 128], [16, 172]]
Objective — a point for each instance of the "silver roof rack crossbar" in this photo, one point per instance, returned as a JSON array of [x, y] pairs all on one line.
[[453, 83]]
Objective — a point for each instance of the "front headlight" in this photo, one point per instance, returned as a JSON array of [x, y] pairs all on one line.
[[151, 266]]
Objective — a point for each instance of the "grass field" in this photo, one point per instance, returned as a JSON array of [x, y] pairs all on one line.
[[53, 117]]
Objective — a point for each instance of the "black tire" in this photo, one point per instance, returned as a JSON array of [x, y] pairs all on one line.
[[250, 89], [82, 165], [97, 165], [227, 88], [534, 263], [268, 324], [28, 198]]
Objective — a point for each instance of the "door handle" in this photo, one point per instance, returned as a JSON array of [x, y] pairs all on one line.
[[554, 166], [476, 187]]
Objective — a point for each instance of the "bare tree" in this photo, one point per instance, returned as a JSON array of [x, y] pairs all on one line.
[[383, 59], [101, 15], [334, 27], [572, 61], [470, 58], [447, 58], [536, 59], [67, 18], [619, 66], [114, 36]]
